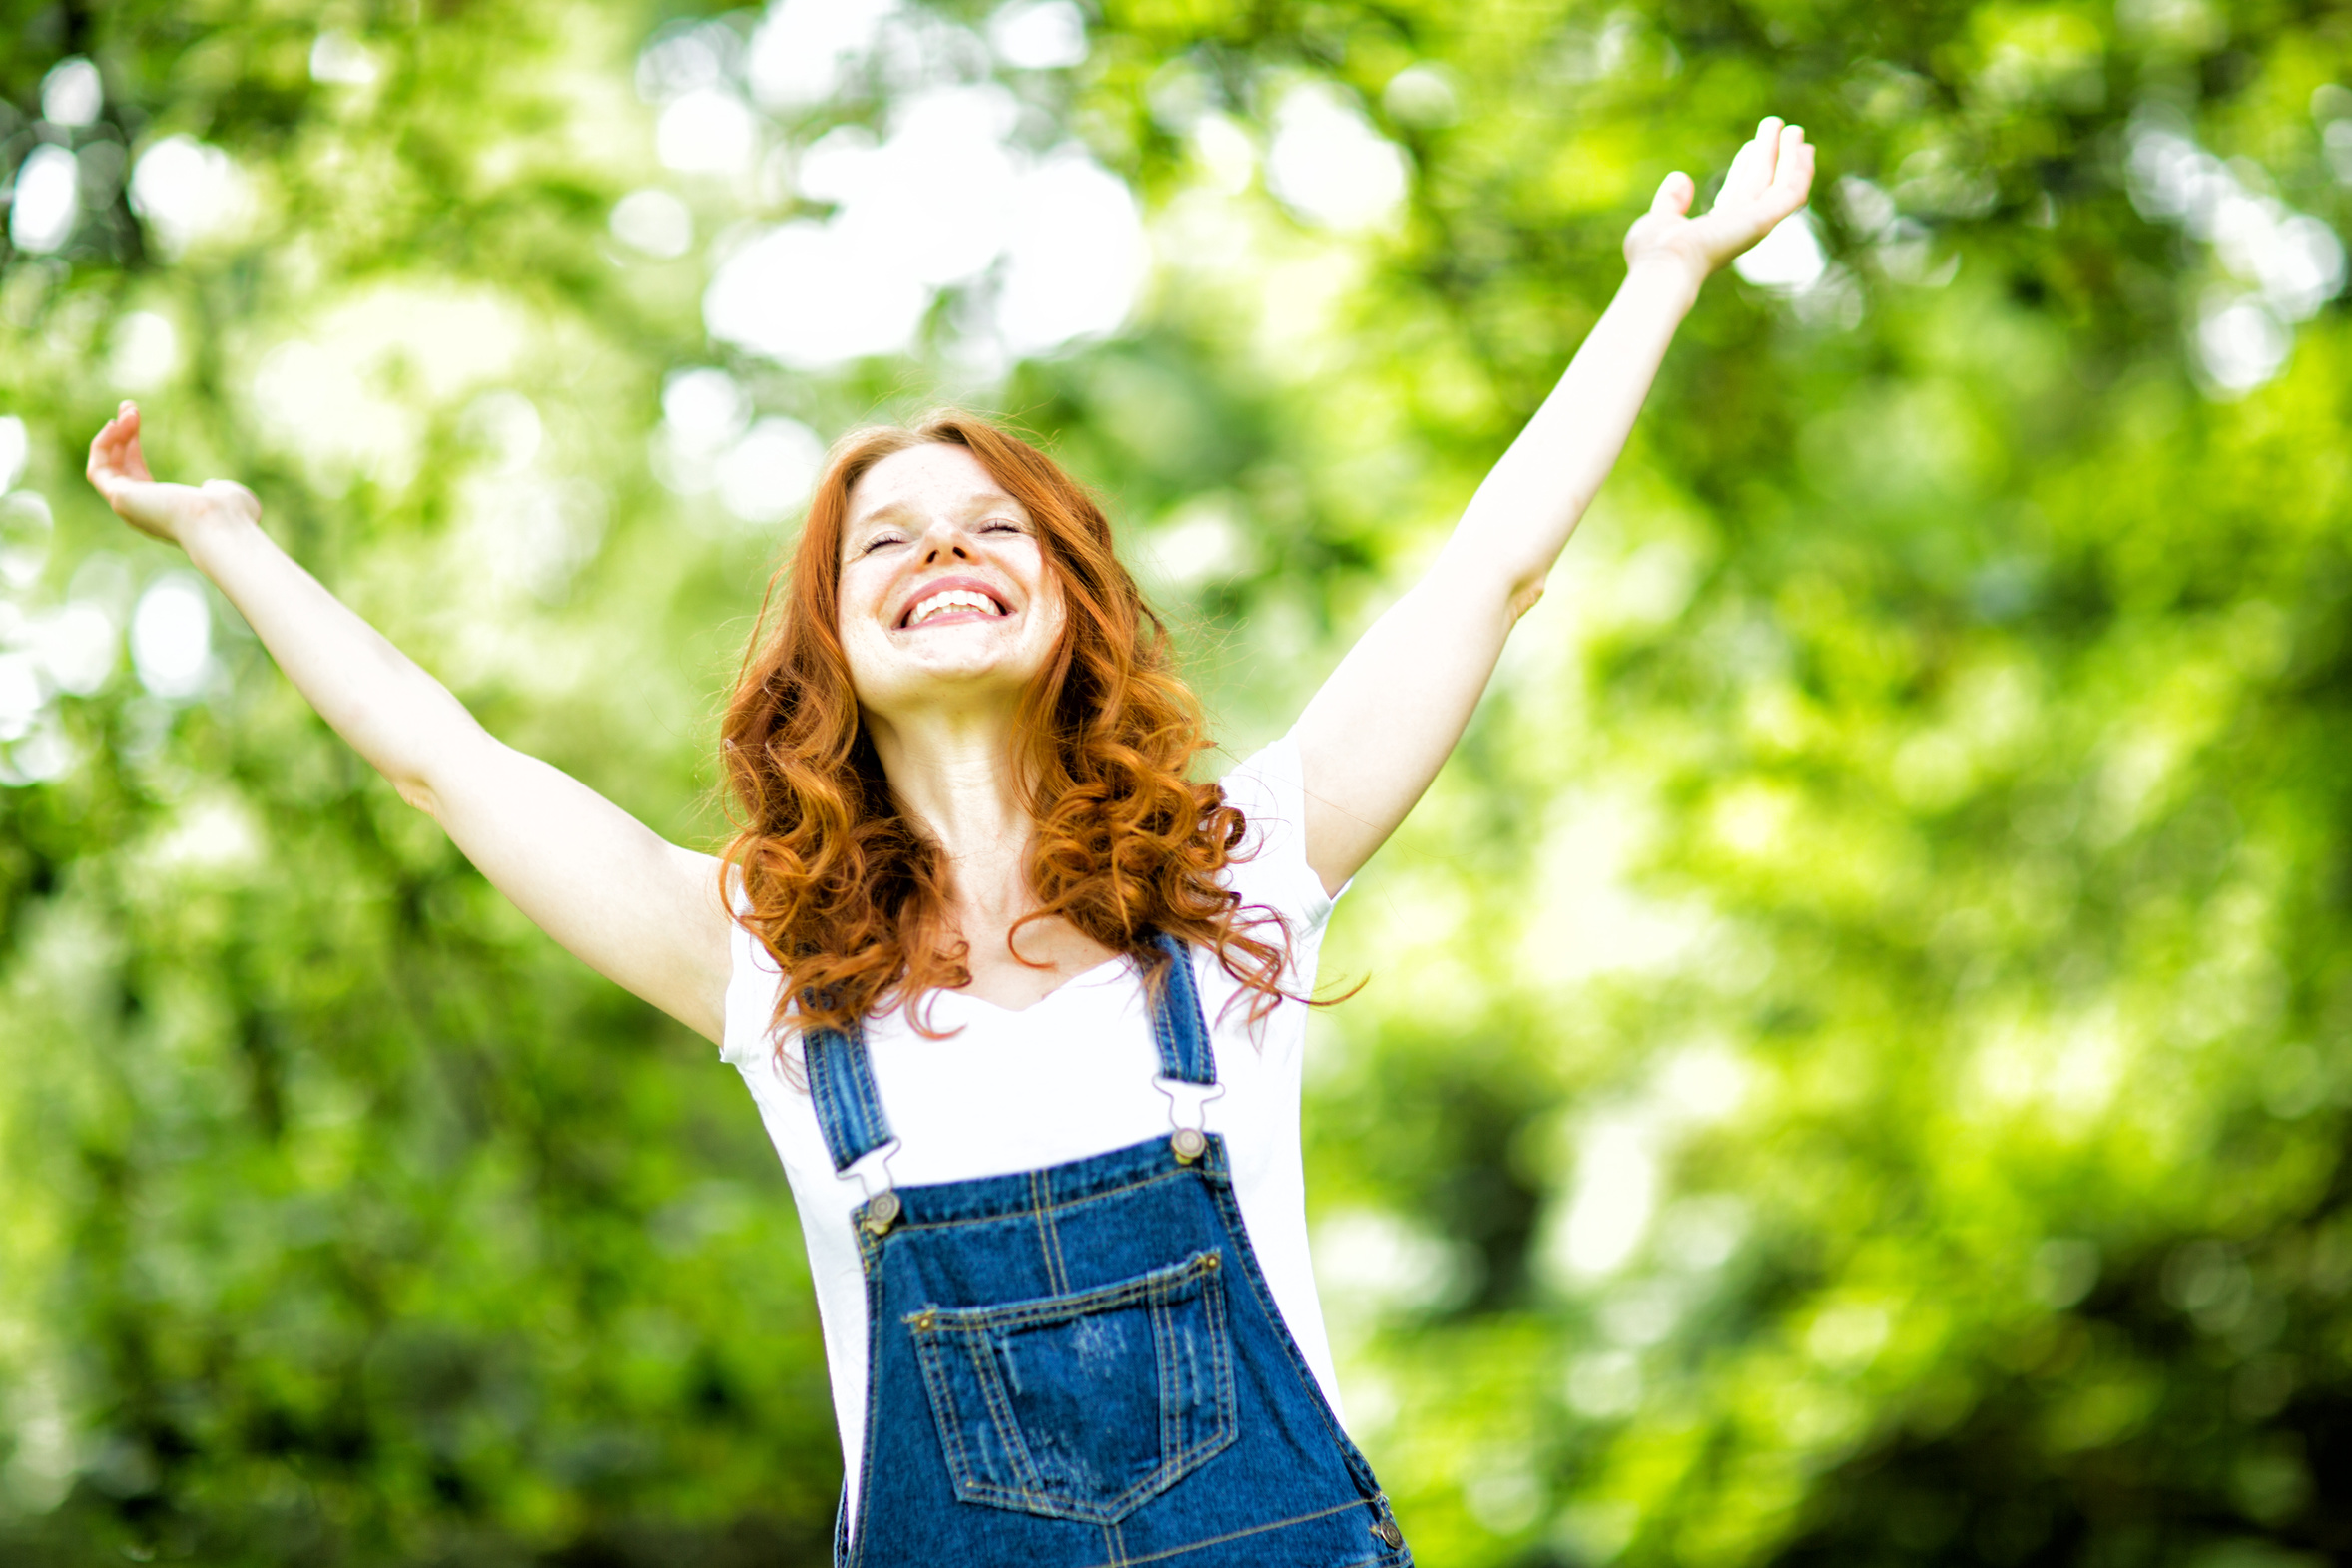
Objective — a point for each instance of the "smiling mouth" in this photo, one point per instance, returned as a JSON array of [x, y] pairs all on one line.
[[951, 603]]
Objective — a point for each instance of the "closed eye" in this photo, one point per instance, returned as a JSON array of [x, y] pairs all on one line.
[[877, 541]]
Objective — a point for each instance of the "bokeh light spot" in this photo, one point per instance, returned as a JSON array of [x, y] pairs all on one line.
[[72, 93], [653, 222], [172, 637], [1328, 166], [47, 201]]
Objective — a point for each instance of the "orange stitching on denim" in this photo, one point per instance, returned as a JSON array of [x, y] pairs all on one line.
[[1037, 1203], [1224, 1425], [1027, 1480], [1236, 1535], [931, 1356], [1164, 1352], [1059, 1264], [945, 1413], [1159, 1284], [907, 1222]]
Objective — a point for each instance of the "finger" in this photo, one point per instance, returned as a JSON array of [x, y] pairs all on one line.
[[106, 450], [1767, 145], [1794, 169], [134, 461], [1750, 171], [1676, 193], [1738, 179]]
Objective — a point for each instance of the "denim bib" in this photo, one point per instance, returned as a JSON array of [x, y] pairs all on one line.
[[1081, 1367]]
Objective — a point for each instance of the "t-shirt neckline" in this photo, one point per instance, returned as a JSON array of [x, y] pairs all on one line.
[[1083, 980]]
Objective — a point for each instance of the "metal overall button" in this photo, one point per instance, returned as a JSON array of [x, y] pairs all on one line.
[[1190, 1144], [1385, 1526], [881, 1213]]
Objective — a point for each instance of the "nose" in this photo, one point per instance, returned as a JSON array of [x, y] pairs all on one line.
[[946, 542]]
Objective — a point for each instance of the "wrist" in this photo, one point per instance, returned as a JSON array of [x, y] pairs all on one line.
[[1667, 276], [211, 528]]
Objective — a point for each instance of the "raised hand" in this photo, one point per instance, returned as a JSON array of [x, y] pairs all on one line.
[[1769, 180], [167, 511]]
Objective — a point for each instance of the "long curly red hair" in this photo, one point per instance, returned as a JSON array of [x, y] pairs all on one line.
[[849, 896]]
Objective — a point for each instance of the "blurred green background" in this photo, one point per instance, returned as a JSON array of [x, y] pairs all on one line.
[[1855, 1061]]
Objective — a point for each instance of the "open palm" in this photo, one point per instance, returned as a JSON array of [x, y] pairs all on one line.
[[1769, 179]]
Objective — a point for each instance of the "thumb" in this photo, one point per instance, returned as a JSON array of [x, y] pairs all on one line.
[[1674, 196]]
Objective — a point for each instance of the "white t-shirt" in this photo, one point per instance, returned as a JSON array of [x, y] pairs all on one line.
[[1070, 1076]]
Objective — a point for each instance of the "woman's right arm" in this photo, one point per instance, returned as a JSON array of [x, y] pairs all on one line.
[[643, 912]]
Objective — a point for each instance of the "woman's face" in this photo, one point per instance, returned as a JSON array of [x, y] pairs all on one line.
[[946, 600]]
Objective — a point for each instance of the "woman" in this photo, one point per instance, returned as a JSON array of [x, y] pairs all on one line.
[[1021, 1006]]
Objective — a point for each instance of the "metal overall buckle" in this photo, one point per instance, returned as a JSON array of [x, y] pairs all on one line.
[[880, 1208], [1191, 1139]]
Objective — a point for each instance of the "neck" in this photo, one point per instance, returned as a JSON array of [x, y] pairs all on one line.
[[953, 771]]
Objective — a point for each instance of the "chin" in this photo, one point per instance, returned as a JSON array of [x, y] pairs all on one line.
[[969, 673]]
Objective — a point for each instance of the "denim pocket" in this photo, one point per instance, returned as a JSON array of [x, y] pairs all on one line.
[[1086, 1405]]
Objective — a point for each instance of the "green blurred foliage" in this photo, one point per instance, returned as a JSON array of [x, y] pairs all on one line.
[[1854, 1065]]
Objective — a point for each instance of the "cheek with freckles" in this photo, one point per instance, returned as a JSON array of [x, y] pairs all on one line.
[[857, 606], [1041, 623]]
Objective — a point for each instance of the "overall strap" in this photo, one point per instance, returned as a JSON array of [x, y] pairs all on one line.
[[840, 1083], [1176, 1025]]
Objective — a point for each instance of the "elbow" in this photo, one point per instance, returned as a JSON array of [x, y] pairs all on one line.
[[417, 792], [452, 755], [412, 776], [1492, 585]]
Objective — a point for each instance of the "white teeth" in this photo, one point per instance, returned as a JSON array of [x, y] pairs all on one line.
[[950, 599]]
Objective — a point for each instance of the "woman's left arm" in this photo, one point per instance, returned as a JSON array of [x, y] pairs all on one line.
[[1375, 734]]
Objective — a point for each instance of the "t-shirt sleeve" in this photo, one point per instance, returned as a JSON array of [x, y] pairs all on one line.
[[1266, 788]]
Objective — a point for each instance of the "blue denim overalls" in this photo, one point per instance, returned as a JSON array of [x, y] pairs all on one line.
[[1081, 1367]]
